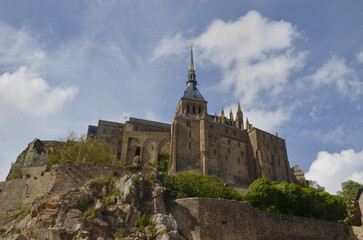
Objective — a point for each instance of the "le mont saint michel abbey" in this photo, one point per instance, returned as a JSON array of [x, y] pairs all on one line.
[[221, 145]]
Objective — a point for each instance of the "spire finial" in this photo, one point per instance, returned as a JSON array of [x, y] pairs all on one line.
[[239, 108], [191, 70]]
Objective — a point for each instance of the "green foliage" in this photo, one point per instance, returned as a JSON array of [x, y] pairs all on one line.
[[348, 193], [143, 221], [80, 149], [163, 163], [195, 185], [100, 181], [91, 213], [23, 213], [295, 200], [15, 171], [315, 185], [133, 168], [120, 233]]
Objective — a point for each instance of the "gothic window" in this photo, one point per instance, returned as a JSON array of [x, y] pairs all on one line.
[[189, 124], [211, 127], [241, 153], [239, 144], [227, 158], [269, 171], [238, 161], [267, 159], [136, 128], [104, 131], [226, 131], [193, 109], [229, 142], [229, 151], [279, 162], [234, 133], [200, 110], [215, 152], [137, 151], [188, 110], [190, 145], [190, 133]]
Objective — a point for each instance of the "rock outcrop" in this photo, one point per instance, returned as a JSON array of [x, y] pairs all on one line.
[[129, 207]]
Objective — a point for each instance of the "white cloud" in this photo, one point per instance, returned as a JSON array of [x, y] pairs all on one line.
[[267, 120], [256, 57], [330, 170], [17, 47], [169, 46], [26, 91], [255, 54], [337, 73], [360, 57]]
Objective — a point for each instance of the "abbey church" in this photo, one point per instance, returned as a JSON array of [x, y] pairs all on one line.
[[220, 145]]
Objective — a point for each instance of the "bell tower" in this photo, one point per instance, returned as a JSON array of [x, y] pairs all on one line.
[[192, 103]]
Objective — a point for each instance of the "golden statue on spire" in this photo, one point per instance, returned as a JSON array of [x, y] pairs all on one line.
[[191, 44]]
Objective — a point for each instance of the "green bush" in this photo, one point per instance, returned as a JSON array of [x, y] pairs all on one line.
[[79, 149], [163, 162], [195, 185], [133, 168], [295, 200]]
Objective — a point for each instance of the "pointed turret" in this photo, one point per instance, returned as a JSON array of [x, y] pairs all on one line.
[[223, 119], [248, 125], [191, 70], [231, 119], [215, 117], [239, 117]]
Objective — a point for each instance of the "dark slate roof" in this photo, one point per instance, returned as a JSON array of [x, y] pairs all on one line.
[[143, 121], [193, 93]]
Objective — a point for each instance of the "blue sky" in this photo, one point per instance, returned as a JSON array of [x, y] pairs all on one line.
[[295, 67]]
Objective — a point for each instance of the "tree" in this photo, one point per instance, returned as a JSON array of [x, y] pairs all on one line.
[[348, 193], [188, 184], [80, 149], [294, 199]]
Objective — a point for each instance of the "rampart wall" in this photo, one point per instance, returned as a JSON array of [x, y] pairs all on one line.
[[39, 181], [202, 218], [34, 183]]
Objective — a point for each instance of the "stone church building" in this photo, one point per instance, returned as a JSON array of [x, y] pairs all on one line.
[[222, 145]]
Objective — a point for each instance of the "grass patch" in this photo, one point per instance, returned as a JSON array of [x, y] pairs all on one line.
[[91, 213], [23, 213], [133, 168], [121, 233]]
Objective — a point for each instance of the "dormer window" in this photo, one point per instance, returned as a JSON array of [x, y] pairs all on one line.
[[188, 110], [194, 109]]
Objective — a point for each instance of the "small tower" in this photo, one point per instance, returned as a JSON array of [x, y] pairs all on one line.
[[192, 101], [223, 118], [231, 119], [239, 118]]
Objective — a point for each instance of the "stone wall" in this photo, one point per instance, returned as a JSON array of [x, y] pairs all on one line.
[[35, 183], [38, 181], [201, 218]]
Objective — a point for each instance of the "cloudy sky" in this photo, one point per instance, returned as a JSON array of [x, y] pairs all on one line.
[[295, 66]]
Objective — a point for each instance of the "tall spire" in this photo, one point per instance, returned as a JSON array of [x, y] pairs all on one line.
[[191, 70]]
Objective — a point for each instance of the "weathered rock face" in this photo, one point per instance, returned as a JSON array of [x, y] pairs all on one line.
[[101, 209]]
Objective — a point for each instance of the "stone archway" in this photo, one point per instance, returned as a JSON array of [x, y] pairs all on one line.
[[133, 149], [149, 153], [164, 147]]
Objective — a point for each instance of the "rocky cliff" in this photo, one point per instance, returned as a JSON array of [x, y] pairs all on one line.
[[127, 207]]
